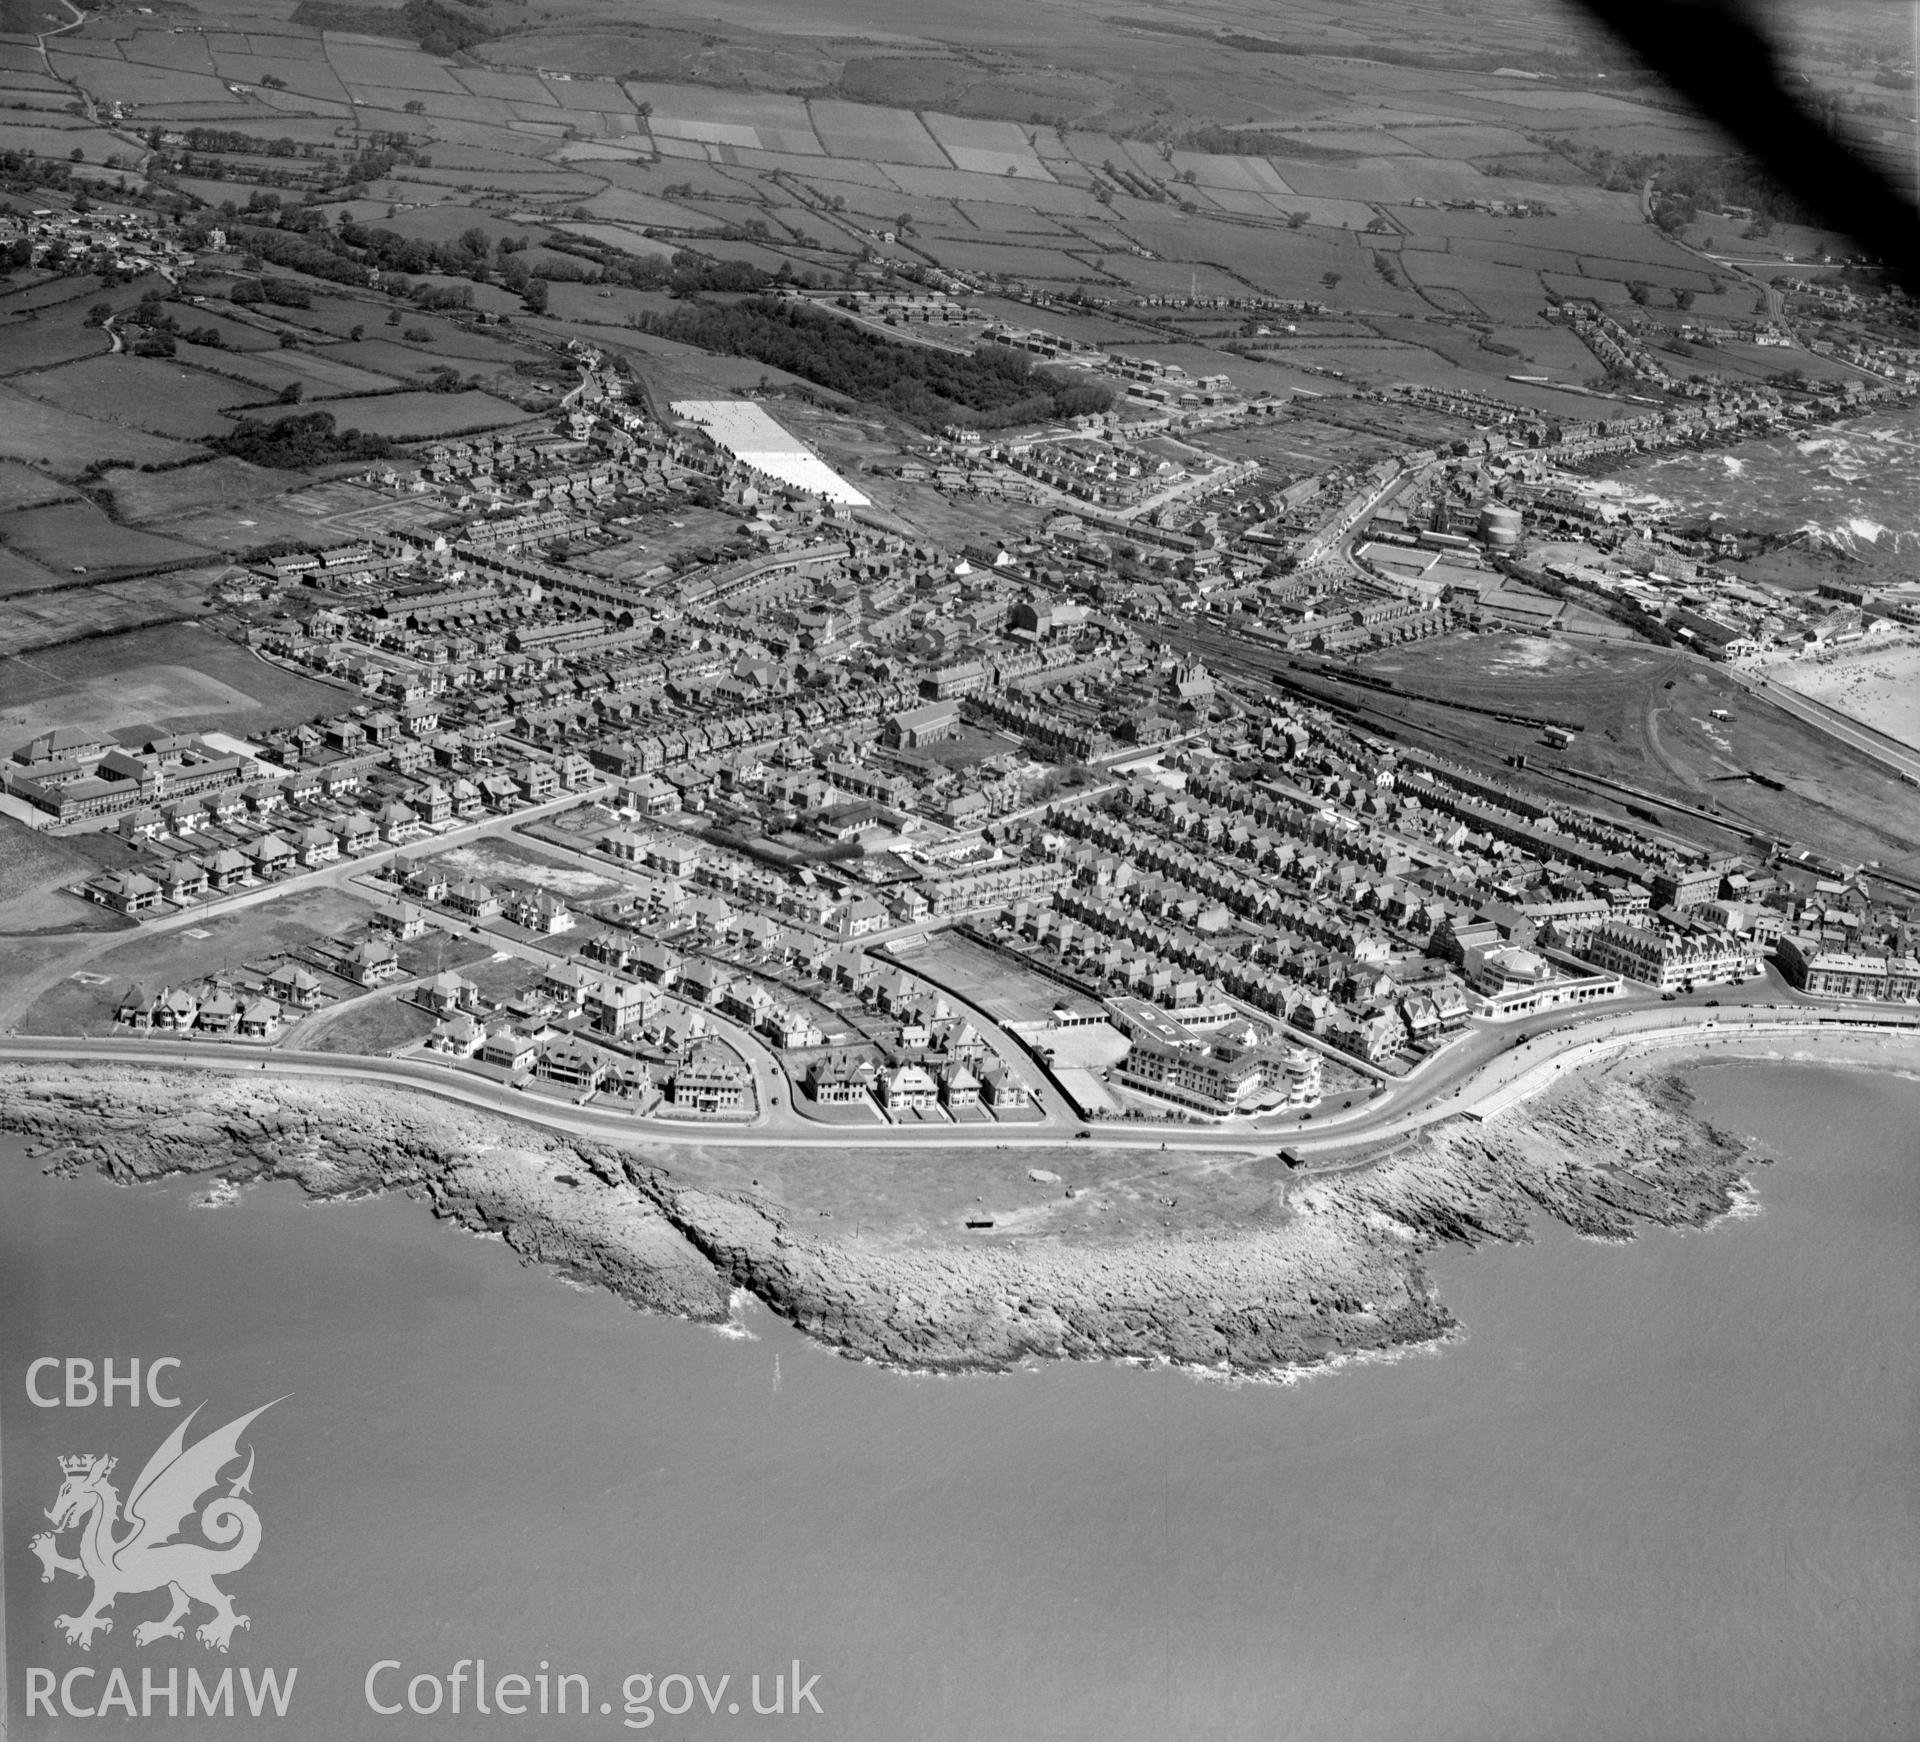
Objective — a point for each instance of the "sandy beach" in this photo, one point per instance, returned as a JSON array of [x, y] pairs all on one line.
[[1880, 686]]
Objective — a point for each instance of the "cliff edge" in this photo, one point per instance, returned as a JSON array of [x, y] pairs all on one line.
[[1307, 1267]]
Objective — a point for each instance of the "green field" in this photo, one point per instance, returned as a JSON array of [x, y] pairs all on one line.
[[67, 537], [66, 443], [179, 677], [161, 397], [258, 935]]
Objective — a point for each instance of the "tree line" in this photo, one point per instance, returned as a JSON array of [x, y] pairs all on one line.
[[990, 388]]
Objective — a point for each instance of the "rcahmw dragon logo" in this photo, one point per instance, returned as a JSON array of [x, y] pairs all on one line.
[[147, 1556]]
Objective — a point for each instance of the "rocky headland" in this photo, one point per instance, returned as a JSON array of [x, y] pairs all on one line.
[[1305, 1268]]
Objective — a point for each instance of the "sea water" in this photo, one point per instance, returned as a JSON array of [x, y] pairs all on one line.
[[1665, 1489], [1852, 486]]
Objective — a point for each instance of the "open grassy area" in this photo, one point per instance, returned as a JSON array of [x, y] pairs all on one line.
[[33, 867], [258, 935], [381, 1024], [140, 393], [178, 677], [1005, 991], [67, 537], [65, 442]]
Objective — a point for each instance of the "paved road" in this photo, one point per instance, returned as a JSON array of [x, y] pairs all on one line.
[[21, 993], [1834, 724], [1485, 1076]]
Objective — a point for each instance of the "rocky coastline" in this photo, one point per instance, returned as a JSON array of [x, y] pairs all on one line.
[[1322, 1265]]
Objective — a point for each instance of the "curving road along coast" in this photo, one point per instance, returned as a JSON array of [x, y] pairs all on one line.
[[984, 1246]]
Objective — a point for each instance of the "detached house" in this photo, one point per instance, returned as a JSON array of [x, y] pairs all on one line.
[[540, 911], [841, 1079]]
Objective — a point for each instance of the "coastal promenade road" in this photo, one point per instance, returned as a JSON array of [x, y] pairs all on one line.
[[600, 1125], [1889, 752], [1489, 1086]]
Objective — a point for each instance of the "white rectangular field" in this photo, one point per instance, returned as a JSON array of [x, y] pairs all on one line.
[[756, 441]]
